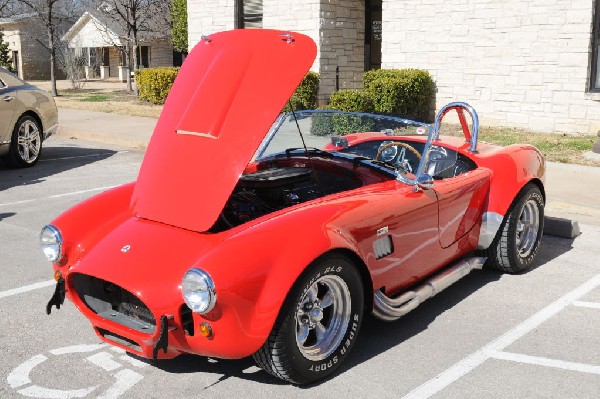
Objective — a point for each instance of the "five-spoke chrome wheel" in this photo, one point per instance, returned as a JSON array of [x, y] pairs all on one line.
[[528, 227], [29, 141], [322, 317], [26, 142]]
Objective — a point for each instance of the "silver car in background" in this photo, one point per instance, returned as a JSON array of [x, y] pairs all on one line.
[[28, 116]]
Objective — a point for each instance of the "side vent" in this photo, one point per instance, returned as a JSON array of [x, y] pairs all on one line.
[[383, 247]]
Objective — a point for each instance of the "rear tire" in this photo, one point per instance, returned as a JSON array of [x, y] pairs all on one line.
[[26, 143], [519, 239], [318, 323]]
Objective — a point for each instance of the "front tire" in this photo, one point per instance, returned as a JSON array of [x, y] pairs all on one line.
[[318, 324], [520, 237], [26, 143]]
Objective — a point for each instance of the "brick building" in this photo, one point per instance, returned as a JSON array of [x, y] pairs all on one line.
[[523, 63]]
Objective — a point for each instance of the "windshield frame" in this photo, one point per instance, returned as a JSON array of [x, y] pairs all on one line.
[[398, 176]]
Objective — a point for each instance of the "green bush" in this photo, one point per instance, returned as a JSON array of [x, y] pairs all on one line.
[[405, 92], [352, 101], [305, 96], [154, 84]]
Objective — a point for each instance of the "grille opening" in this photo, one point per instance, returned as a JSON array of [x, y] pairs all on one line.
[[187, 320], [126, 342], [113, 302]]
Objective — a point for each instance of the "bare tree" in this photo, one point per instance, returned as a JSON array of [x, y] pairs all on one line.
[[136, 18], [51, 15]]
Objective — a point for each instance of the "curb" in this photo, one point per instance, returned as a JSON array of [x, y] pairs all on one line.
[[113, 139], [560, 227]]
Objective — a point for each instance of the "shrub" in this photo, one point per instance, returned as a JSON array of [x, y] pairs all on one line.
[[154, 84], [352, 101], [305, 96], [406, 92]]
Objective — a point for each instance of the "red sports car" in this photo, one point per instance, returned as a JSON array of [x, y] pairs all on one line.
[[244, 236]]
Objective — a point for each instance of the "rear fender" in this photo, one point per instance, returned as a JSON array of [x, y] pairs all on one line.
[[512, 168]]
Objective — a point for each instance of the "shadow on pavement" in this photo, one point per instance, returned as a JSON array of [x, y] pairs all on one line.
[[54, 160], [376, 337]]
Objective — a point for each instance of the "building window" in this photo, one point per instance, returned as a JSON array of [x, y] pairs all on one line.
[[249, 14], [595, 72]]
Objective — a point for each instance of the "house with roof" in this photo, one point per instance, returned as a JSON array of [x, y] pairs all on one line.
[[102, 42], [521, 63], [29, 56]]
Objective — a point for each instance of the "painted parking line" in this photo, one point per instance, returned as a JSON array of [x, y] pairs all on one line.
[[20, 378], [26, 288], [91, 190], [591, 305], [495, 347], [542, 361]]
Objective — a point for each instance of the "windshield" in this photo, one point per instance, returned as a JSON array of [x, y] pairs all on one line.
[[333, 131]]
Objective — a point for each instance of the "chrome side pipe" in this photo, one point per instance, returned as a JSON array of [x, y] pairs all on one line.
[[389, 309]]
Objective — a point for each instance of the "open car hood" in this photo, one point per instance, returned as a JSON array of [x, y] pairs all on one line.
[[229, 91]]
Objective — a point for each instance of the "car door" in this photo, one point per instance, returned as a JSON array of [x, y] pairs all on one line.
[[397, 231], [461, 200], [7, 110]]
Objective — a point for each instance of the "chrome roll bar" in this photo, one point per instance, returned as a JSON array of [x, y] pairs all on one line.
[[460, 107]]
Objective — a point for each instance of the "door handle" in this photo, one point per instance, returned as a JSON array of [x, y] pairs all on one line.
[[8, 98]]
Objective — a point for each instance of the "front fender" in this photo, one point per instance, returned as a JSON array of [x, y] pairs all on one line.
[[255, 270], [83, 225]]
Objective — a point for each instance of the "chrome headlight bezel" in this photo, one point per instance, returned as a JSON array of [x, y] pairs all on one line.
[[198, 291], [51, 242]]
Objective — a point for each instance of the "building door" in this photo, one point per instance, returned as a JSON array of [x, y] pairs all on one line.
[[373, 14]]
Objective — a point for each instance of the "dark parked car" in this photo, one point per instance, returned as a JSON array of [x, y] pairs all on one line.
[[28, 116]]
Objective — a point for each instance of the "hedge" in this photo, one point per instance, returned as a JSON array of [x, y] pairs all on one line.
[[403, 92], [352, 101], [305, 96], [154, 84]]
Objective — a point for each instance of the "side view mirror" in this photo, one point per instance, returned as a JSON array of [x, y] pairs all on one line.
[[424, 181]]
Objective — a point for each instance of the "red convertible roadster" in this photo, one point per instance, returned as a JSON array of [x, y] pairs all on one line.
[[248, 233]]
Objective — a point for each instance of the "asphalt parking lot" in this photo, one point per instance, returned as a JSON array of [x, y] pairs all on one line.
[[534, 335]]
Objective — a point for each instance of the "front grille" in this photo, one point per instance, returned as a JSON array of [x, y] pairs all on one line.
[[114, 303]]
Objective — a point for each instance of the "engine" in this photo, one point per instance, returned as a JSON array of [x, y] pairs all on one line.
[[266, 191]]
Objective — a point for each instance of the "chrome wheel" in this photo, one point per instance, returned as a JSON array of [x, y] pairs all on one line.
[[322, 317], [29, 141], [527, 229]]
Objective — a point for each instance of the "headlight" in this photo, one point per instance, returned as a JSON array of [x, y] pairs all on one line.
[[51, 243], [198, 291]]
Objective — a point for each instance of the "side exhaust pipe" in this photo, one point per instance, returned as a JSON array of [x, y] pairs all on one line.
[[389, 309]]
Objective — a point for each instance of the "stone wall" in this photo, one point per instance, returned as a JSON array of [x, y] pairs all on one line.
[[295, 16], [342, 45], [209, 16], [337, 26], [521, 63], [161, 53]]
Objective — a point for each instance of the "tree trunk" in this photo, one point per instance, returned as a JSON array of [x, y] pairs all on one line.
[[52, 53]]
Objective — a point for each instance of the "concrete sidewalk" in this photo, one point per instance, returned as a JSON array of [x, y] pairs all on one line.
[[573, 191]]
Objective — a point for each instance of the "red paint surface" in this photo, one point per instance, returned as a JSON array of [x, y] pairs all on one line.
[[225, 98]]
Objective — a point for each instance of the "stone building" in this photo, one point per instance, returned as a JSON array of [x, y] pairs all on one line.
[[102, 42], [30, 58], [522, 63]]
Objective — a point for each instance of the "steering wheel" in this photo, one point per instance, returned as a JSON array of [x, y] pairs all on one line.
[[405, 165]]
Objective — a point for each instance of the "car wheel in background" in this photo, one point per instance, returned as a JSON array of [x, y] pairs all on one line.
[[519, 240], [26, 143], [318, 324]]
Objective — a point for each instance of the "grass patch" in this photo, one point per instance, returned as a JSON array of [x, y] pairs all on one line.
[[95, 98], [556, 147]]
